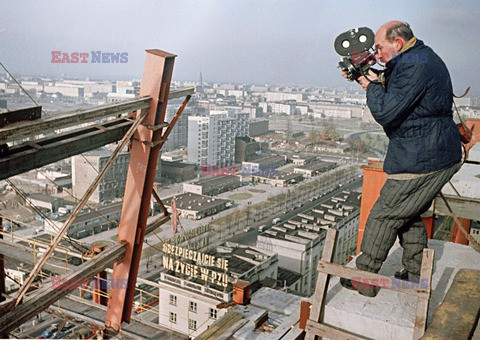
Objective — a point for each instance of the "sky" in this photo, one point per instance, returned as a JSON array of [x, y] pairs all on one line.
[[237, 41]]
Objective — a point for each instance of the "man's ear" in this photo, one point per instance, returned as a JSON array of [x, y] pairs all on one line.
[[398, 43]]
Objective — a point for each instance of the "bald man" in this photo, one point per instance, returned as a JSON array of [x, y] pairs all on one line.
[[412, 100]]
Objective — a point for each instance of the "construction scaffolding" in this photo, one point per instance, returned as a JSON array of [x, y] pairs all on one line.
[[28, 141]]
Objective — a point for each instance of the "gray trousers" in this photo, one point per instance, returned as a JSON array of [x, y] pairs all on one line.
[[397, 212]]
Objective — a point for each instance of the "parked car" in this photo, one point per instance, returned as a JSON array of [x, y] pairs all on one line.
[[275, 220], [299, 205], [247, 229], [262, 228]]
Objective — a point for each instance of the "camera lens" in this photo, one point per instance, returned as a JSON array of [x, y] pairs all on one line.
[[362, 38], [345, 44]]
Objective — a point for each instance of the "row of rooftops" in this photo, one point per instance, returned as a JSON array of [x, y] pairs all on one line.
[[311, 224]]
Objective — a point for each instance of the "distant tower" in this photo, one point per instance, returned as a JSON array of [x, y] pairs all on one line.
[[200, 80]]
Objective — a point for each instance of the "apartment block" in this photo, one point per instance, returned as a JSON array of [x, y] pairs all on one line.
[[211, 139]]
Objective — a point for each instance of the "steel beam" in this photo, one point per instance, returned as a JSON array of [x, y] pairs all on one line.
[[138, 189], [10, 117], [51, 123], [86, 196], [63, 120], [45, 296], [25, 157]]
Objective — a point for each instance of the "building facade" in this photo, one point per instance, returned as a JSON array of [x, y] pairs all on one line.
[[85, 168], [211, 139], [191, 302], [299, 241]]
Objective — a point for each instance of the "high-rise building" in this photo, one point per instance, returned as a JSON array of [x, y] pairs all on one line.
[[211, 139], [85, 168], [178, 139]]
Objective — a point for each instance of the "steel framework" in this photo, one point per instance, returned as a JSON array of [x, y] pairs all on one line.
[[146, 131]]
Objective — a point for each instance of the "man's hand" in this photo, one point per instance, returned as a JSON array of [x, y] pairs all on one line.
[[364, 81]]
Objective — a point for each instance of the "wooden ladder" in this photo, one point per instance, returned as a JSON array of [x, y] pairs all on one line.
[[315, 326]]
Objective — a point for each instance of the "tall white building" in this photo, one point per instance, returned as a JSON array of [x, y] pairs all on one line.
[[211, 139], [178, 139]]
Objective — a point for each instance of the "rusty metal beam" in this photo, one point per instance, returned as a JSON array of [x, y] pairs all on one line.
[[63, 120], [36, 269], [42, 298], [138, 189], [27, 129], [25, 157], [10, 117]]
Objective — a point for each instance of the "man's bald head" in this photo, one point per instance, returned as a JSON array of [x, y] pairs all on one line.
[[390, 39]]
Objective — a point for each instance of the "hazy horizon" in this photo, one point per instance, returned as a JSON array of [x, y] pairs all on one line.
[[256, 42]]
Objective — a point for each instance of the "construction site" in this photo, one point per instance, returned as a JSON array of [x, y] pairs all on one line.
[[102, 291], [233, 207]]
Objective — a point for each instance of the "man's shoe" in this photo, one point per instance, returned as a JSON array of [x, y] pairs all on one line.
[[401, 274], [364, 289], [405, 275]]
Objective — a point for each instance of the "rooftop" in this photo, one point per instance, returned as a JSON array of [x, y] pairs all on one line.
[[267, 160], [318, 218], [241, 259], [245, 322], [318, 165], [177, 164], [391, 314], [215, 180], [195, 202]]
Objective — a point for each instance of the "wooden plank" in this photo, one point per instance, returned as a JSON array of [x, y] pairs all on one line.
[[330, 332], [181, 92], [42, 298], [422, 304], [372, 278], [322, 282], [457, 315], [464, 207], [22, 130]]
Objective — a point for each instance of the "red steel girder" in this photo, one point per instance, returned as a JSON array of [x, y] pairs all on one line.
[[138, 189]]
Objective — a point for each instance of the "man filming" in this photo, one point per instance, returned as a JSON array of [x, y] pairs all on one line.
[[412, 100]]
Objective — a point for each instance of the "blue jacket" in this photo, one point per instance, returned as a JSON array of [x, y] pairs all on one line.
[[415, 110]]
